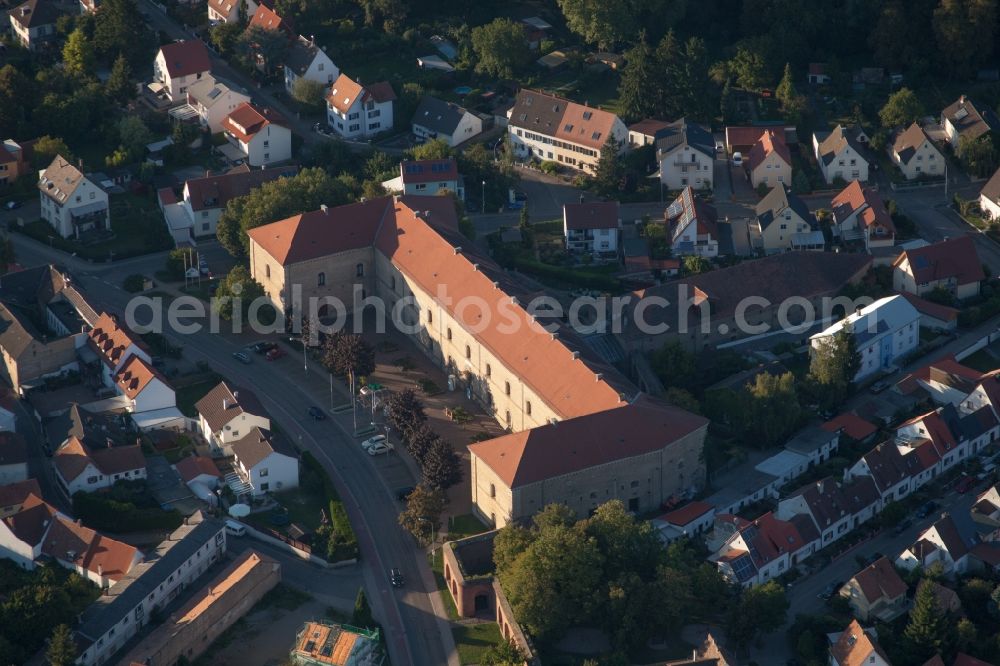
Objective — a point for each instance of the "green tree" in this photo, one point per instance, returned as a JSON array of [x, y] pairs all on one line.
[[965, 31], [440, 466], [78, 54], [362, 615], [309, 93], [225, 37], [834, 364], [928, 631], [610, 167], [785, 92], [504, 653], [119, 86], [979, 156], [404, 411], [17, 95], [237, 287], [46, 149], [692, 80], [695, 264], [760, 610], [511, 542], [770, 410], [749, 68], [800, 182], [267, 46], [422, 516], [667, 94], [609, 23], [348, 355], [134, 136], [892, 36], [674, 365], [901, 109], [965, 635], [178, 260], [119, 29], [500, 48], [62, 647], [435, 149], [638, 90]]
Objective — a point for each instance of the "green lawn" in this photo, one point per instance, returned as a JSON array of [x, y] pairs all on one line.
[[187, 396], [463, 526], [437, 566], [305, 503], [472, 640], [982, 361]]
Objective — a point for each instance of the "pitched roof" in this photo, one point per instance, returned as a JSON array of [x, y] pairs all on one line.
[[136, 375], [889, 467], [970, 119], [991, 190], [937, 431], [13, 450], [774, 204], [592, 215], [854, 646], [72, 542], [908, 142], [267, 19], [830, 502], [880, 580], [192, 467], [852, 425], [935, 310], [951, 537], [953, 258], [962, 659], [225, 7], [437, 115], [301, 55], [73, 457], [224, 403], [186, 57], [945, 371], [858, 197], [247, 120], [687, 513], [872, 321], [60, 180], [560, 118], [257, 445], [379, 92], [31, 522], [553, 450], [16, 493], [745, 137], [35, 13], [323, 232], [215, 191], [344, 93], [688, 209], [649, 127], [428, 171], [110, 340], [834, 143], [769, 142], [682, 133], [207, 91]]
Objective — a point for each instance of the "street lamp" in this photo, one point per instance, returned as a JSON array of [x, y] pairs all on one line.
[[484, 196], [428, 521]]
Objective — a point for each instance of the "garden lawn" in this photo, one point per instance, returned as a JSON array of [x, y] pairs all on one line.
[[187, 396], [982, 361], [437, 566], [472, 640], [463, 526]]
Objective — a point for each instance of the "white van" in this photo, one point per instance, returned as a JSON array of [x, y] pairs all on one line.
[[235, 528], [737, 159]]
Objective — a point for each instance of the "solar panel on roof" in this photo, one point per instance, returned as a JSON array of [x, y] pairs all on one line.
[[743, 567]]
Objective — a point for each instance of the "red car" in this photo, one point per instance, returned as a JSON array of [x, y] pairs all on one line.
[[274, 353], [965, 484]]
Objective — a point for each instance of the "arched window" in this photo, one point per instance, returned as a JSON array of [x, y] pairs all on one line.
[[468, 351], [359, 270], [430, 317], [507, 416], [489, 370], [267, 270], [493, 490], [527, 407], [506, 389], [321, 279], [448, 333]]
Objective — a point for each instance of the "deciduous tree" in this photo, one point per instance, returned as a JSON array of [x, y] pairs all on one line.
[[62, 647], [347, 354], [760, 610], [422, 516], [785, 92], [441, 467], [238, 287], [78, 54], [902, 108], [834, 364], [500, 48], [309, 93]]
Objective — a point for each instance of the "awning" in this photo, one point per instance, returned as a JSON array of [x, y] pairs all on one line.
[[158, 418], [232, 153]]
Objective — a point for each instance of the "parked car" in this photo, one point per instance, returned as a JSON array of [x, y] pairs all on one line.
[[926, 509], [11, 205], [902, 527], [274, 353], [737, 159], [379, 448], [879, 386], [396, 577], [830, 590], [242, 357], [262, 347], [316, 413], [373, 441], [965, 484]]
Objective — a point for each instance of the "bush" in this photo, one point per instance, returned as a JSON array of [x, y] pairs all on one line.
[[549, 167], [102, 512], [134, 283], [598, 281], [337, 537]]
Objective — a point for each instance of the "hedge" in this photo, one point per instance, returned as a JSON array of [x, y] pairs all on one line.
[[106, 514], [343, 542], [568, 275]]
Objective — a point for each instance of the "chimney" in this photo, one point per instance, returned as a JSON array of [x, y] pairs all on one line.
[[555, 335], [225, 403], [857, 310], [598, 377], [475, 267], [576, 355], [961, 100], [236, 395], [458, 249], [100, 569]]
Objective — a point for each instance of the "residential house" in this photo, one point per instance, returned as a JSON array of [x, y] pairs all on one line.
[[136, 599], [81, 468], [965, 119], [685, 152], [915, 155], [265, 462], [840, 154], [357, 112], [945, 542], [714, 298], [932, 429], [114, 345], [266, 18], [227, 414], [884, 333], [856, 646], [550, 128], [211, 101], [22, 533], [890, 469], [835, 509], [230, 11], [691, 226], [191, 630], [876, 593], [761, 550], [427, 177], [986, 510], [448, 122], [933, 316], [783, 222], [709, 653], [951, 265], [71, 202], [690, 520], [258, 136], [989, 196], [197, 214], [13, 160], [816, 74], [13, 458], [14, 495], [851, 426], [198, 470], [742, 139], [814, 443], [946, 381], [985, 394], [42, 322], [592, 228], [769, 162], [306, 60], [151, 401], [860, 213], [34, 23], [179, 64], [647, 131]]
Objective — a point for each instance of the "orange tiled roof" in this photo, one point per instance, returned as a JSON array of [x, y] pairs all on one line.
[[111, 340], [136, 375]]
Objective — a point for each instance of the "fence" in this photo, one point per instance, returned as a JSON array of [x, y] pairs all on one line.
[[297, 548]]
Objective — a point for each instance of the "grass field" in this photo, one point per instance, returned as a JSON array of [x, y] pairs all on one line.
[[472, 640], [463, 526]]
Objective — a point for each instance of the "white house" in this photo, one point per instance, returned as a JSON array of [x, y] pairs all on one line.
[[857, 645], [835, 509], [180, 64], [114, 345], [211, 100], [265, 463], [915, 155], [860, 214], [952, 265], [230, 11], [151, 398], [306, 60], [989, 197], [226, 415], [762, 550], [355, 111], [783, 222], [34, 23], [884, 332], [13, 458], [769, 162], [81, 468], [427, 177], [691, 226], [686, 153], [946, 542], [592, 228], [261, 136], [839, 154], [966, 119], [71, 202], [892, 470], [437, 119]]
